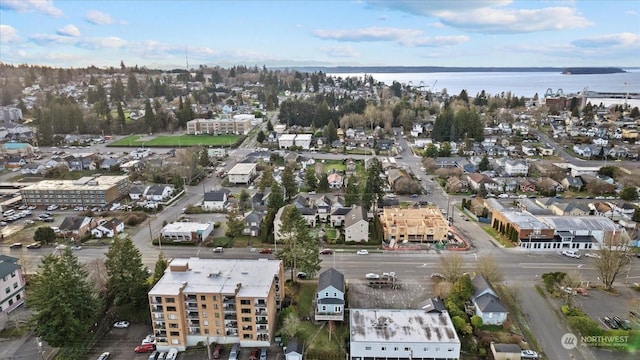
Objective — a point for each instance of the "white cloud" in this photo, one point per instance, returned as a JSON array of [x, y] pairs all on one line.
[[490, 16], [110, 42], [46, 39], [42, 6], [368, 34], [627, 40], [98, 18], [631, 13], [8, 34], [341, 51], [69, 30], [436, 41]]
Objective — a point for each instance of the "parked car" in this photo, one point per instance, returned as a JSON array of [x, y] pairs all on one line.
[[144, 348], [592, 255], [362, 252], [61, 247], [372, 276], [15, 246], [153, 355], [266, 251], [571, 254], [263, 354], [437, 276], [172, 354], [149, 339], [121, 324], [218, 250], [254, 354], [29, 222], [34, 246], [104, 356], [235, 351], [162, 355], [610, 322], [52, 207], [217, 352], [326, 252], [302, 275], [528, 354]]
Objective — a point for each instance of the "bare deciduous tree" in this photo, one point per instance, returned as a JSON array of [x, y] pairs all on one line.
[[614, 257], [451, 266], [488, 267], [442, 289], [97, 275]]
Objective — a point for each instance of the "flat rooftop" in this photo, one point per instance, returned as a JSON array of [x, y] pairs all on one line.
[[242, 169], [219, 276], [401, 326], [184, 227], [570, 223], [85, 183], [287, 137], [525, 220]]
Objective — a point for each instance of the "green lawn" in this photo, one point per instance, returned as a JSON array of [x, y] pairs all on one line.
[[178, 140]]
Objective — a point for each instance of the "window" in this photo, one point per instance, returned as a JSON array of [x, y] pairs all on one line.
[[205, 322], [246, 319], [326, 294], [367, 348], [407, 349], [173, 326], [10, 302], [245, 302], [206, 331], [175, 341], [13, 274], [172, 317], [202, 298], [215, 298], [174, 333], [218, 323], [204, 306], [17, 298], [171, 308], [324, 308], [204, 314], [171, 300], [217, 315], [15, 285], [246, 311], [395, 348], [384, 348], [7, 290]]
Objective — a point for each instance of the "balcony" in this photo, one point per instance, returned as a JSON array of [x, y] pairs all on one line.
[[229, 307], [161, 333], [194, 331], [261, 320], [260, 303], [161, 340], [231, 333], [230, 316], [157, 309], [262, 330], [159, 325], [158, 316], [261, 312], [231, 325], [193, 315], [192, 306], [326, 316], [156, 300]]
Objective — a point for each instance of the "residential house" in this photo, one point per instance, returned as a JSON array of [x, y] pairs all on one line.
[[432, 305], [75, 226], [384, 144], [477, 181], [516, 167], [308, 212], [15, 163], [33, 169], [108, 228], [505, 351], [572, 183], [80, 162], [13, 285], [597, 186], [293, 350], [137, 192], [547, 184], [323, 208], [582, 150], [109, 164], [454, 185], [356, 226], [252, 224], [330, 298], [215, 200], [570, 208], [338, 216], [336, 181], [487, 303], [416, 130], [158, 192]]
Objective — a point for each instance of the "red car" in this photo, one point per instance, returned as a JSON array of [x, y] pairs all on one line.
[[217, 352], [144, 348], [266, 251], [326, 252], [254, 354]]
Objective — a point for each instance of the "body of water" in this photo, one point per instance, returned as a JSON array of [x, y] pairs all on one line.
[[525, 84]]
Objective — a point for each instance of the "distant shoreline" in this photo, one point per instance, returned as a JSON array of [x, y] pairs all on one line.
[[440, 69]]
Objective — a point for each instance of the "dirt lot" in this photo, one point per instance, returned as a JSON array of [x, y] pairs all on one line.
[[407, 296]]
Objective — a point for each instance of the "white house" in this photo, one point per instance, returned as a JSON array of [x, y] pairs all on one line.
[[286, 141], [515, 167], [293, 350], [303, 141], [486, 303], [108, 228], [242, 173], [140, 153], [402, 334], [336, 181], [215, 200], [330, 296], [158, 192], [137, 192]]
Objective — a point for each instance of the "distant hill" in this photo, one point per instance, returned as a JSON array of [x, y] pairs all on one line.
[[439, 69], [591, 70]]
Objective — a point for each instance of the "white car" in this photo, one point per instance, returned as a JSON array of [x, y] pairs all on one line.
[[150, 339], [372, 276], [76, 247], [528, 354], [571, 254], [362, 252], [121, 325], [61, 247], [592, 255], [52, 207]]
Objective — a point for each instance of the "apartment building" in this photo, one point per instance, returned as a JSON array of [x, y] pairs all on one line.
[[216, 300], [86, 191], [11, 287], [240, 125], [415, 225]]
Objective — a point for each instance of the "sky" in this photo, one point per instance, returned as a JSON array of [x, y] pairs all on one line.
[[172, 34]]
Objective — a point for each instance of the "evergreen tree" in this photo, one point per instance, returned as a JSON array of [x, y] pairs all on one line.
[[269, 126], [289, 183], [121, 117], [310, 180], [266, 179], [484, 164], [133, 90], [235, 224], [203, 160], [64, 304], [260, 138], [149, 117], [351, 192], [276, 198], [323, 183], [330, 132], [160, 267], [127, 275], [299, 251]]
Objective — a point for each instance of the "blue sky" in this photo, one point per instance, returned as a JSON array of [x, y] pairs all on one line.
[[75, 33]]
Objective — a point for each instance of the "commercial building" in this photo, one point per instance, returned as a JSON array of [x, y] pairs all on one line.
[[286, 141], [415, 225], [242, 173], [12, 285], [186, 231], [21, 150], [402, 335], [86, 191], [216, 300], [239, 125]]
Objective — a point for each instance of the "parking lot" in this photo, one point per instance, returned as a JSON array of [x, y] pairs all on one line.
[[405, 296], [600, 304], [121, 342]]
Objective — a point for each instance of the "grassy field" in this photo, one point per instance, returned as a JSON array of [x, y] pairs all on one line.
[[178, 140]]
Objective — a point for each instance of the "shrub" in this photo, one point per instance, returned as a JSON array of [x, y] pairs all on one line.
[[476, 321]]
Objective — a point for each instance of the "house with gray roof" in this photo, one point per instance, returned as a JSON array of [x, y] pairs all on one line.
[[75, 226], [293, 350], [215, 200], [330, 296], [486, 302], [356, 225], [252, 223], [12, 279]]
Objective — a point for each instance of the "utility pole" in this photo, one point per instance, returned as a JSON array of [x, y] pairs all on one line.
[[208, 348]]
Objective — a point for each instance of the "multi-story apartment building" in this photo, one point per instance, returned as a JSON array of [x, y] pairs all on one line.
[[240, 125], [11, 286], [415, 225], [216, 300], [86, 191]]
